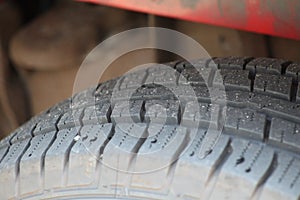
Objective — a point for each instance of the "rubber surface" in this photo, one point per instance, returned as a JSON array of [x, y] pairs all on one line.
[[92, 146]]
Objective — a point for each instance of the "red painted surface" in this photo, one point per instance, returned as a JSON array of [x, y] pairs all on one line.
[[273, 17]]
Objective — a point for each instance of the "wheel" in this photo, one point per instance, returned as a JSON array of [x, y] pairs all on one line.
[[166, 133]]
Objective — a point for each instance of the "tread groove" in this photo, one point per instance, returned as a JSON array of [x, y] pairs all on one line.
[[102, 148], [179, 70], [42, 175], [81, 117], [251, 76], [67, 159], [17, 180], [246, 61], [144, 78], [175, 158], [213, 176], [143, 111], [267, 128], [108, 114], [221, 117], [211, 77], [11, 143], [284, 67], [179, 114], [99, 156], [7, 150], [294, 90], [120, 82]]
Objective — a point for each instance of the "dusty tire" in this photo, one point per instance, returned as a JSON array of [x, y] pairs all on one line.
[[72, 150]]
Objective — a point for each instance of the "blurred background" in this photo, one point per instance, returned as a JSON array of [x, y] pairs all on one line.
[[43, 43]]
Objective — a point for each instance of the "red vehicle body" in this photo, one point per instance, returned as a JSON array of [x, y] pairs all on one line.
[[273, 17]]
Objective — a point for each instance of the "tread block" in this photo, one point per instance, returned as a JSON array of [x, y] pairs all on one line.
[[293, 70], [161, 75], [105, 90], [31, 162], [285, 132], [130, 111], [23, 132], [97, 114], [246, 167], [237, 79], [133, 80], [119, 152], [5, 142], [70, 119], [166, 111], [47, 123], [231, 62], [84, 155], [279, 108], [21, 135], [3, 151], [180, 66], [273, 84], [245, 121], [159, 137], [284, 182], [192, 172], [266, 65], [151, 91], [199, 114], [156, 156], [182, 92], [83, 98], [9, 169], [56, 158], [62, 107], [274, 107], [14, 153], [124, 95], [189, 93], [195, 73]]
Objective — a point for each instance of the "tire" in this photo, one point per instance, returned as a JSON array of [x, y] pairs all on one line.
[[91, 146]]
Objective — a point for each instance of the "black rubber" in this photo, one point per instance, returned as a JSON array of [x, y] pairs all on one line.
[[92, 146]]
